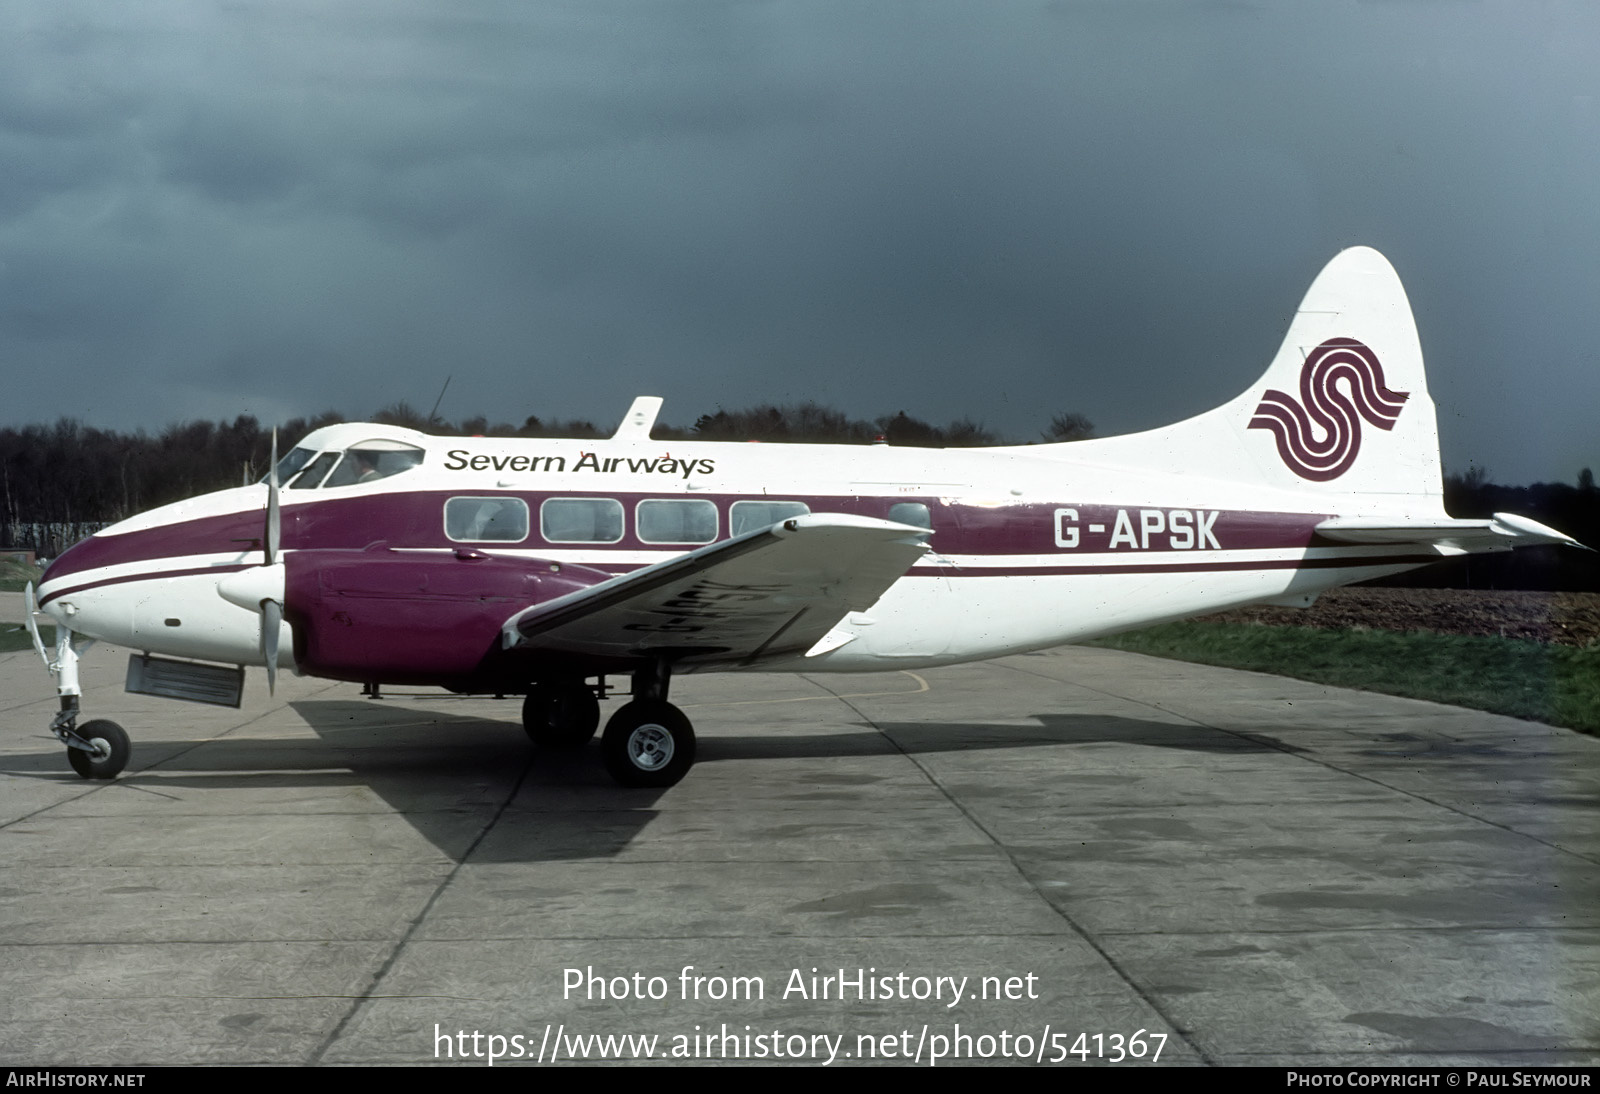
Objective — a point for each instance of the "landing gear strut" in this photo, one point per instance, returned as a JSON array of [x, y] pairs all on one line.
[[649, 742]]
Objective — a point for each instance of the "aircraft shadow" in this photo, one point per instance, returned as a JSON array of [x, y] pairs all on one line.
[[936, 737], [474, 788]]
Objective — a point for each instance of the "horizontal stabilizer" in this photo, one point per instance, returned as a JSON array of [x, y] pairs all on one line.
[[1501, 532], [764, 594]]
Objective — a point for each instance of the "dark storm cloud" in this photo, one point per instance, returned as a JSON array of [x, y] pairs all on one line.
[[995, 210]]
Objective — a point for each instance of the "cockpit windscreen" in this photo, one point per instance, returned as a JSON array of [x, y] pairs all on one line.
[[373, 460], [360, 463]]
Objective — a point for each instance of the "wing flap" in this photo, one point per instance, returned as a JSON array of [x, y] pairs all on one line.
[[767, 593]]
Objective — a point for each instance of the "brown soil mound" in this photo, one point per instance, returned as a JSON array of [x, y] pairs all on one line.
[[1572, 619]]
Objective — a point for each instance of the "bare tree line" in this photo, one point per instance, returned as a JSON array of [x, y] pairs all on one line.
[[61, 482]]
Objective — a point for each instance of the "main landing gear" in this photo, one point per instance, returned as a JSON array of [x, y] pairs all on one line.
[[648, 742], [561, 716]]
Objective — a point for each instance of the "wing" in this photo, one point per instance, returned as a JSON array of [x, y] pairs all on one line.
[[765, 594], [1502, 532]]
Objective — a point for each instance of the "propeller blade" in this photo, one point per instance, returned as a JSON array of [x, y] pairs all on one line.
[[274, 532], [30, 608], [271, 623]]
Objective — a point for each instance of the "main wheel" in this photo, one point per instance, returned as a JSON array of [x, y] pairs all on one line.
[[648, 744], [560, 716], [111, 750]]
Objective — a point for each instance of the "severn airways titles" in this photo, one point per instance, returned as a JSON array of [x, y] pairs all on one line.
[[459, 459]]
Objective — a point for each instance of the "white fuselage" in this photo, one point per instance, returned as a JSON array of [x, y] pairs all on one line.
[[1030, 548]]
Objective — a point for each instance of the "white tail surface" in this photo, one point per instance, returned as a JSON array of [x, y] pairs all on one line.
[[1342, 413]]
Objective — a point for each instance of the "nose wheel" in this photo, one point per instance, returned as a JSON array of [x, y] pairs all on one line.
[[98, 749]]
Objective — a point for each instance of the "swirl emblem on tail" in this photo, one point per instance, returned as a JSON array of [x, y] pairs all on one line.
[[1319, 435]]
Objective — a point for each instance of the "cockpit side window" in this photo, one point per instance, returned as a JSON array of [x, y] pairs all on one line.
[[288, 465], [311, 477], [374, 460]]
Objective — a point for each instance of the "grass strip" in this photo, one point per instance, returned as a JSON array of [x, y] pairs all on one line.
[[14, 575], [1559, 685]]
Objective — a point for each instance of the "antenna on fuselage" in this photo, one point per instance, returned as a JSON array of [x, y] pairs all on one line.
[[440, 399], [640, 419]]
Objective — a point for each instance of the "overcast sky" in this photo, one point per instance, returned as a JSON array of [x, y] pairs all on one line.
[[995, 210]]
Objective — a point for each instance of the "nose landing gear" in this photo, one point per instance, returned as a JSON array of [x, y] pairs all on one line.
[[98, 749]]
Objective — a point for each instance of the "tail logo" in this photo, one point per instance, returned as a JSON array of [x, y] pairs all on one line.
[[1319, 435]]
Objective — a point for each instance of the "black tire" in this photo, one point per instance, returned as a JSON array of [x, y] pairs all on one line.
[[112, 750], [648, 744], [560, 716]]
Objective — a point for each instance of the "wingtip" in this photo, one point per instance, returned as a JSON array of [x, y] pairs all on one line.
[[1521, 527]]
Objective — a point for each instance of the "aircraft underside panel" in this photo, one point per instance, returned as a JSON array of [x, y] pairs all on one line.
[[994, 616]]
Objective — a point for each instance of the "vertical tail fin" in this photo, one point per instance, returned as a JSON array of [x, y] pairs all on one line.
[[1343, 411]]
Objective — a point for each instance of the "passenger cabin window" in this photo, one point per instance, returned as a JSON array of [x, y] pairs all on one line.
[[581, 520], [486, 520], [747, 516], [370, 461], [662, 521], [311, 477], [911, 512]]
